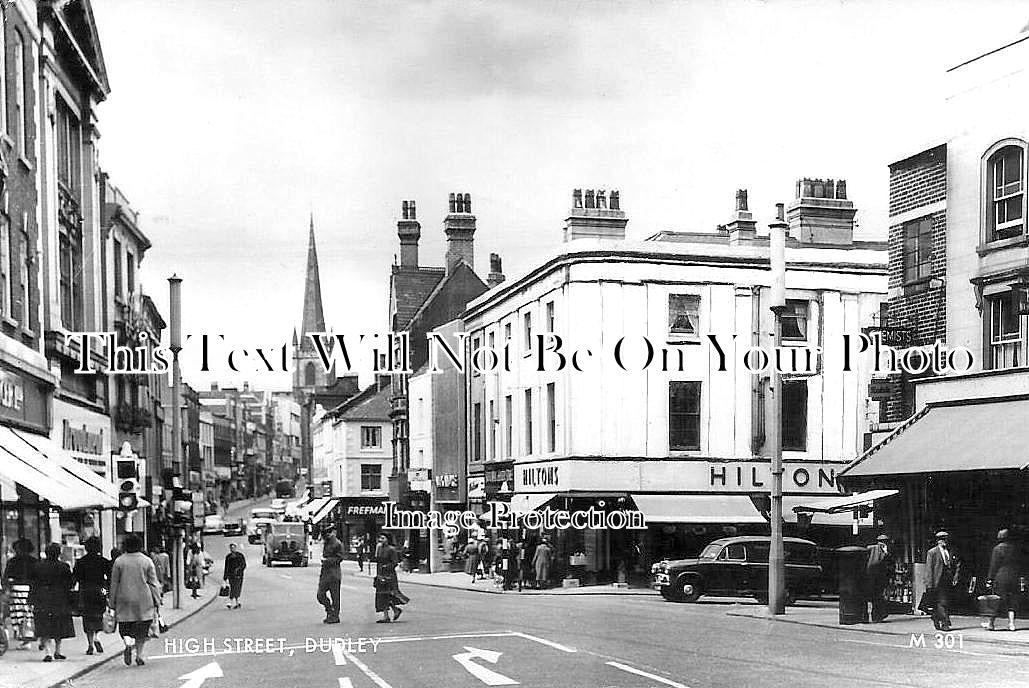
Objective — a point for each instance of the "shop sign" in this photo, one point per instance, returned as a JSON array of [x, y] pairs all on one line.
[[477, 488], [85, 446], [12, 394], [418, 474], [23, 400], [883, 388], [541, 476], [447, 481], [895, 336]]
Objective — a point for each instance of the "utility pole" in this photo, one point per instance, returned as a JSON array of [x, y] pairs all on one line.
[[175, 308], [776, 556]]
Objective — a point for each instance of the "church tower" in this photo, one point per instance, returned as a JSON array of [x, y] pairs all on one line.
[[308, 371]]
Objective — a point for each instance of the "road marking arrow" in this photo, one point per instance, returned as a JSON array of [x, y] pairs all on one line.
[[195, 679], [487, 676]]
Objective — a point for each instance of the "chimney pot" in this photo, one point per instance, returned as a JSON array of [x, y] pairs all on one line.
[[780, 212], [841, 189], [496, 271], [589, 199], [459, 226], [577, 198], [599, 217], [741, 199], [453, 204], [614, 201]]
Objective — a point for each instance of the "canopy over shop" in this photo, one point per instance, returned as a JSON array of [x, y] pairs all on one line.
[[961, 467]]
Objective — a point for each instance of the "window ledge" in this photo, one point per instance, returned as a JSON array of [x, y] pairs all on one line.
[[9, 321], [6, 138], [25, 162], [28, 333], [1001, 244]]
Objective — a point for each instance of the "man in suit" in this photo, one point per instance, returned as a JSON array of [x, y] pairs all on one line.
[[879, 571], [942, 567]]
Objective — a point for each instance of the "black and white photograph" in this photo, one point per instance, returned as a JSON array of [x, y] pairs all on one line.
[[542, 343]]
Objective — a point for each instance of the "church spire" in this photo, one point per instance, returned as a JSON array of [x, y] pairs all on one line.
[[314, 318]]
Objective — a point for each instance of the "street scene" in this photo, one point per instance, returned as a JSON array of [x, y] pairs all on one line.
[[518, 343]]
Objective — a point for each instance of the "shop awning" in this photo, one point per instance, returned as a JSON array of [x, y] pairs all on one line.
[[841, 504], [314, 505], [713, 508], [837, 518], [993, 437], [530, 501], [324, 510], [35, 463]]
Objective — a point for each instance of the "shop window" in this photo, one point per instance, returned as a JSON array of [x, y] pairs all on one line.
[[683, 416], [684, 315], [794, 415], [918, 250], [1006, 340], [371, 476], [1004, 189], [371, 437], [795, 321]]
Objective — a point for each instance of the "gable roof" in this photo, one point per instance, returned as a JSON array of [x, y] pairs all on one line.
[[409, 290], [458, 272], [371, 404], [79, 28]]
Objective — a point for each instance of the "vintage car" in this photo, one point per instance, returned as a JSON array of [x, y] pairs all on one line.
[[233, 528], [213, 525], [260, 519], [738, 567], [285, 542]]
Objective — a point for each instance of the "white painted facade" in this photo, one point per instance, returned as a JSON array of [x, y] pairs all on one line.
[[611, 427], [349, 456], [420, 426]]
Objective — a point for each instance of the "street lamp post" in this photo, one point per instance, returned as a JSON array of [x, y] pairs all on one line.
[[776, 557], [175, 312]]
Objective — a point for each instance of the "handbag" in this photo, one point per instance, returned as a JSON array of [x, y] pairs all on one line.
[[110, 622], [223, 591], [75, 602]]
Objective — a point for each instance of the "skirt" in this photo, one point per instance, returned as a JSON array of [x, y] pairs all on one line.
[[387, 593], [134, 629], [235, 587], [55, 625]]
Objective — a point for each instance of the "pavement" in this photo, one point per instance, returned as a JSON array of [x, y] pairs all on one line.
[[450, 636]]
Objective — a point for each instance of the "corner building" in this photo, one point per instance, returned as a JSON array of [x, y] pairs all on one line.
[[685, 446]]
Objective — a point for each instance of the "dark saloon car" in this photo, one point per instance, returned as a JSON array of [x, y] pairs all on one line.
[[233, 528], [738, 567]]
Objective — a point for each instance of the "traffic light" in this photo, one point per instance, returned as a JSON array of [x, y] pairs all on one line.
[[127, 472]]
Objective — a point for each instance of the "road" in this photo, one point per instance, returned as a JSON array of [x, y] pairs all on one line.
[[463, 639]]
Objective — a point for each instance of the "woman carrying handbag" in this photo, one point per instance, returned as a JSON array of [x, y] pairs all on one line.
[[1006, 568], [387, 587]]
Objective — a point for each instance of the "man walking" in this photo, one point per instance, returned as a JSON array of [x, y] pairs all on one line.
[[878, 571], [942, 567], [330, 577]]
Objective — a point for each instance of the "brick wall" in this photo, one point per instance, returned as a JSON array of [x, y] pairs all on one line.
[[917, 182]]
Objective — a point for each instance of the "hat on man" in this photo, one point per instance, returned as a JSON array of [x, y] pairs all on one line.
[[883, 538], [942, 534]]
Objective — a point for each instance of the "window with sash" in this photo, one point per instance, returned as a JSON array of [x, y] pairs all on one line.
[[1005, 187], [1007, 333]]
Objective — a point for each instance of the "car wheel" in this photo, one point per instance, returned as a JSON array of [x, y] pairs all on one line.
[[688, 589]]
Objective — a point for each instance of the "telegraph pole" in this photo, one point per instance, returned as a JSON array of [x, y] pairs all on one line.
[[776, 556], [175, 308]]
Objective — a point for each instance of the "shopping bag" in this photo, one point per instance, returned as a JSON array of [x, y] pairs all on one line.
[[155, 628], [26, 630], [928, 602], [110, 623], [224, 590], [988, 604]]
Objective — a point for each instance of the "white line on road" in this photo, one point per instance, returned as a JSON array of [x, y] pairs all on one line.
[[338, 654], [286, 576], [544, 641], [345, 683], [639, 672], [376, 679], [412, 639]]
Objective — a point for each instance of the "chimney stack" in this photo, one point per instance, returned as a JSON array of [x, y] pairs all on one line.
[[821, 213], [409, 231], [496, 271], [459, 226], [742, 228], [597, 218]]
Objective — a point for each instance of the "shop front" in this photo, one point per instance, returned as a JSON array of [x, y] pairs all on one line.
[[684, 504], [959, 466], [358, 517], [449, 546]]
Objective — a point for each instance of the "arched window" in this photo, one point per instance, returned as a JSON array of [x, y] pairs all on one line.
[[309, 375], [1005, 193]]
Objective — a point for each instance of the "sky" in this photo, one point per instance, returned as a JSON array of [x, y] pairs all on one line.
[[230, 122]]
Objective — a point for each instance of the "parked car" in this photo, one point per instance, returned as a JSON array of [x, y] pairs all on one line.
[[738, 567], [233, 528], [286, 542], [213, 525]]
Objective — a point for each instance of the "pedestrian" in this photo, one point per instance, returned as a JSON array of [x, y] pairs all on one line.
[[330, 577], [879, 570], [93, 574], [471, 558], [541, 563], [135, 597], [162, 562], [387, 587], [194, 569], [1005, 576], [519, 560], [51, 601], [362, 550], [508, 563], [232, 573], [943, 571], [484, 558], [17, 583]]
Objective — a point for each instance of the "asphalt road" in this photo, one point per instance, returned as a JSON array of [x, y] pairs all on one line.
[[463, 639]]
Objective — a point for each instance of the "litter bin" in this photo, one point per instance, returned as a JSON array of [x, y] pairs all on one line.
[[850, 566]]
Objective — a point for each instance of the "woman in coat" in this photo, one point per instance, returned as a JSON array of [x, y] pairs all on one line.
[[471, 558], [232, 573], [194, 569], [93, 574], [1006, 567], [51, 596], [17, 582], [541, 562], [135, 596], [387, 588]]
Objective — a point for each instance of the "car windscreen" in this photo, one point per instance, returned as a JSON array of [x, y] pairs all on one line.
[[263, 513], [710, 552]]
